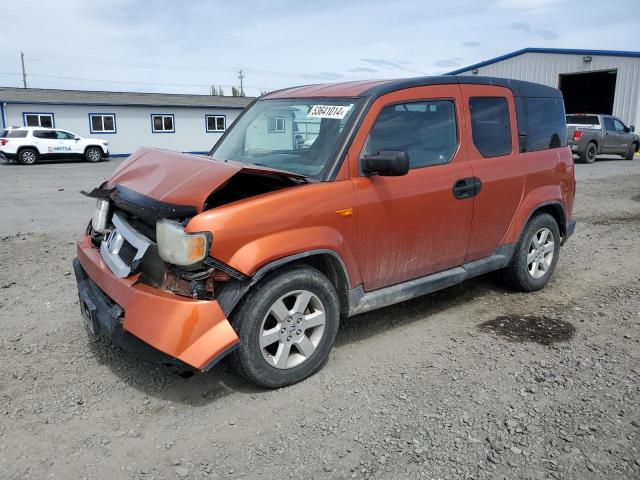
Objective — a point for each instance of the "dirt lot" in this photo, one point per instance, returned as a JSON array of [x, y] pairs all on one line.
[[426, 389]]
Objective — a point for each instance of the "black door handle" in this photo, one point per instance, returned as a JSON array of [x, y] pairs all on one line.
[[467, 188]]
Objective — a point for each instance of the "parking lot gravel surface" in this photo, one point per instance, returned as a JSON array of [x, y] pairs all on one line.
[[471, 382]]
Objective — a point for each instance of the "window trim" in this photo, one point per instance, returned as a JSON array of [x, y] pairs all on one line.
[[103, 114], [402, 102], [173, 122], [284, 125], [206, 123], [473, 142], [51, 114]]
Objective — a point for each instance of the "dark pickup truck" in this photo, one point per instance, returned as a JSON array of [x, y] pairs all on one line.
[[592, 134]]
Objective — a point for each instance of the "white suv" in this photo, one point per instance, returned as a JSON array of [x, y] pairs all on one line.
[[29, 144]]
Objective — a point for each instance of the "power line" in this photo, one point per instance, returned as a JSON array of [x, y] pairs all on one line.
[[128, 82], [156, 66]]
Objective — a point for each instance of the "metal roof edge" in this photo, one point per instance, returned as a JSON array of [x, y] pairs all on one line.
[[560, 51]]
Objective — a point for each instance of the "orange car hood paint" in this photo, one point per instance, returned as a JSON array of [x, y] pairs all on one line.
[[179, 178]]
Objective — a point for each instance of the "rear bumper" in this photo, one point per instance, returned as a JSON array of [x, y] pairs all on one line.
[[195, 332]]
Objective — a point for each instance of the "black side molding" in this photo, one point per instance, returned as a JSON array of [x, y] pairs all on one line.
[[361, 301]]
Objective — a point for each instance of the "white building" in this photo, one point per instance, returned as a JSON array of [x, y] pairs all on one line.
[[592, 81], [186, 123]]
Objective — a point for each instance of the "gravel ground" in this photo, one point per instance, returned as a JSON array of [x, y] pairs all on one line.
[[471, 382]]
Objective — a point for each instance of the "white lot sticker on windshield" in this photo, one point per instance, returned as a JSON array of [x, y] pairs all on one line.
[[328, 111]]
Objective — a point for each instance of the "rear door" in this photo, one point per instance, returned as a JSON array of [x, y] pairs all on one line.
[[495, 159], [412, 225], [46, 141], [612, 138]]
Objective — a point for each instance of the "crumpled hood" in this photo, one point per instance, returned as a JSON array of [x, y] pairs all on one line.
[[179, 178]]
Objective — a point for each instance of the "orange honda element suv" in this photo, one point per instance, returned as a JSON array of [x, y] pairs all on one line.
[[321, 202]]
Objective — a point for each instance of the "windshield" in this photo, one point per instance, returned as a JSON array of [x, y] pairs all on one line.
[[297, 135]]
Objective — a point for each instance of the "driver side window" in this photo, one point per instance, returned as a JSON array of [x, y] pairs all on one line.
[[425, 130]]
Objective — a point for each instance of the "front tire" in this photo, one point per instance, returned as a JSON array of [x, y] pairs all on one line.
[[28, 156], [589, 154], [287, 326], [93, 154], [631, 151], [536, 255]]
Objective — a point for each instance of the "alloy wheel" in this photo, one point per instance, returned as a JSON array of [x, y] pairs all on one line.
[[292, 329], [540, 253], [28, 157]]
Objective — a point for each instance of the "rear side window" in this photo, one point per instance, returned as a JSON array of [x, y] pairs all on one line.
[[16, 134], [490, 125], [585, 120], [608, 124], [544, 123], [426, 131], [48, 134]]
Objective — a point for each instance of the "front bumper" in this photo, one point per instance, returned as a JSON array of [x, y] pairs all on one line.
[[195, 332]]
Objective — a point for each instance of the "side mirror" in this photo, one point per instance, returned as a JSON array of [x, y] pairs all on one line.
[[632, 128], [387, 163], [76, 138]]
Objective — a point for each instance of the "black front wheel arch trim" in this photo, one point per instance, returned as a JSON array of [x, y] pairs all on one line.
[[234, 290]]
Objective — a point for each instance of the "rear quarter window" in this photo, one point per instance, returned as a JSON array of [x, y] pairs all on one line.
[[16, 134], [544, 123]]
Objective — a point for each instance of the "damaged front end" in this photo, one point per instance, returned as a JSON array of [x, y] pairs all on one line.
[[164, 279]]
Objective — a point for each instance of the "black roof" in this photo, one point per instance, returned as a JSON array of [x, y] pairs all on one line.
[[519, 88]]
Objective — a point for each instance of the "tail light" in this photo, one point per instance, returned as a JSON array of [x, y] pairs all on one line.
[[4, 141], [577, 135]]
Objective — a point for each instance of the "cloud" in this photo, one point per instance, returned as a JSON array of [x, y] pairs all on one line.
[[448, 62], [526, 28], [389, 64], [362, 70], [529, 5], [471, 44]]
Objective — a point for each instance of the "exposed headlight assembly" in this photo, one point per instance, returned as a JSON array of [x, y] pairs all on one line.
[[178, 247], [99, 218]]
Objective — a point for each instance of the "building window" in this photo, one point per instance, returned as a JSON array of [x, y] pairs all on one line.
[[276, 124], [162, 124], [490, 125], [216, 123], [44, 120], [102, 123]]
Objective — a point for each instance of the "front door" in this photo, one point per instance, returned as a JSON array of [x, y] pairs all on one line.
[[613, 137], [67, 144], [412, 225], [494, 157]]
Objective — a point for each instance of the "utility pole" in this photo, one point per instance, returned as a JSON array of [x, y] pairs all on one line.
[[241, 77], [24, 73]]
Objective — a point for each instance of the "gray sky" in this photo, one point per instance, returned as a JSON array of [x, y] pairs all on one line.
[[185, 46]]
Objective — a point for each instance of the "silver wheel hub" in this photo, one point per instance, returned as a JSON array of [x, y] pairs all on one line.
[[540, 253], [292, 329]]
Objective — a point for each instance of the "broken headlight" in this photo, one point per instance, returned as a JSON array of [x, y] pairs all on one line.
[[177, 247], [99, 219]]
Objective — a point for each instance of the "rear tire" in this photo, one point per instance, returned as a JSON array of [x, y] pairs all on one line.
[[589, 154], [28, 156], [536, 255], [93, 154], [287, 326], [631, 151]]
